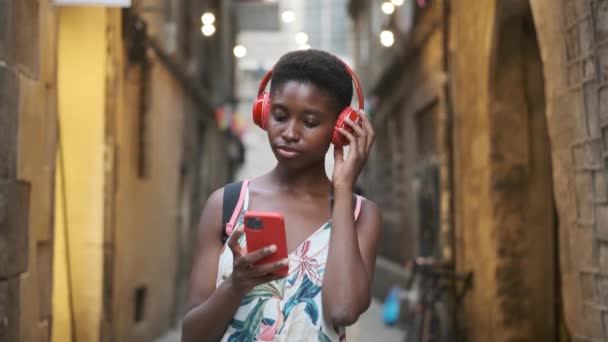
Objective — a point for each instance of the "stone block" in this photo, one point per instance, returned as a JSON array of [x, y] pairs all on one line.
[[588, 287], [35, 164], [583, 183], [603, 289], [5, 31], [9, 119], [14, 229], [44, 256], [26, 43], [600, 179], [49, 14], [44, 331], [592, 323], [601, 20], [9, 310], [603, 255], [601, 217]]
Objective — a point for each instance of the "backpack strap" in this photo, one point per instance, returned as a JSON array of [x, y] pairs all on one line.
[[234, 196]]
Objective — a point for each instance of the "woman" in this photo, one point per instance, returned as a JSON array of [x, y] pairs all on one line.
[[331, 252]]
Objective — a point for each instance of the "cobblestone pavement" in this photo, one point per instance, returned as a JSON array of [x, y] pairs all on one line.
[[368, 328]]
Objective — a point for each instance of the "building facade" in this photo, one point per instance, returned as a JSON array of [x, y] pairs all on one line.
[[109, 147], [492, 156]]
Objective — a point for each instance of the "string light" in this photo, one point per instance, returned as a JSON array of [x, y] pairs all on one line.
[[239, 51], [388, 8], [387, 38], [208, 18], [208, 30], [288, 16], [301, 38]]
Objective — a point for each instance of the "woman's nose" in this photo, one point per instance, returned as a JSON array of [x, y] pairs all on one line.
[[290, 133]]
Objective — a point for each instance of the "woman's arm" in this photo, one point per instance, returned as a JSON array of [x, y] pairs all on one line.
[[211, 308], [352, 246], [351, 259]]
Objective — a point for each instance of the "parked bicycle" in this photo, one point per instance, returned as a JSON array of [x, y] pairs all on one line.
[[423, 304]]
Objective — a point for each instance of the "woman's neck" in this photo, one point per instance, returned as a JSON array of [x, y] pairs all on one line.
[[309, 180]]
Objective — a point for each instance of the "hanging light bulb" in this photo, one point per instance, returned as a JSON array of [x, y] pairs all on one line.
[[301, 38], [208, 30], [208, 18], [388, 8], [239, 51], [288, 16], [387, 38]]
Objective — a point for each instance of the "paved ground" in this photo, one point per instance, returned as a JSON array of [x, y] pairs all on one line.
[[369, 328]]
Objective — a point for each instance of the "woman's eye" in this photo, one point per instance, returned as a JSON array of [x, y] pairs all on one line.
[[279, 117], [310, 124]]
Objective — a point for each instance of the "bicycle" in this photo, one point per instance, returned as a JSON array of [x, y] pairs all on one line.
[[423, 308]]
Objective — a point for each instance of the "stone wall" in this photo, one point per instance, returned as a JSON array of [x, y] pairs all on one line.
[[572, 34], [527, 81], [27, 157], [504, 216]]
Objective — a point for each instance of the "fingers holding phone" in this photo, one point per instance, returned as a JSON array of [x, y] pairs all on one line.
[[265, 257]]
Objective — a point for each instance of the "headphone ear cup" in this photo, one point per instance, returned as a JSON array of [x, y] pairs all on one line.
[[337, 138], [261, 109]]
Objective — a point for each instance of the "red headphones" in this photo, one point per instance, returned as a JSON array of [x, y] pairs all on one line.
[[261, 109]]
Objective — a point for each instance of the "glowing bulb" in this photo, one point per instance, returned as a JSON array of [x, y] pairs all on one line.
[[208, 18], [397, 2], [387, 38], [388, 8], [288, 16], [301, 38], [239, 51], [208, 30]]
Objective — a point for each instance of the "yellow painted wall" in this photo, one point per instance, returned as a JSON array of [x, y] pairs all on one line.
[[81, 94]]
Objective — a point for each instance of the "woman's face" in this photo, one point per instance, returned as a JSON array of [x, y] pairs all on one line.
[[301, 123]]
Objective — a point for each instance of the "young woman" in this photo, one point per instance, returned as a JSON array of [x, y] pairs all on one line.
[[331, 246]]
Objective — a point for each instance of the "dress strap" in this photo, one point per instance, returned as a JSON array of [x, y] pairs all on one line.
[[358, 201]]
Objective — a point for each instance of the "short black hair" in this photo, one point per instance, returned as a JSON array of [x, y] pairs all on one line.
[[320, 68]]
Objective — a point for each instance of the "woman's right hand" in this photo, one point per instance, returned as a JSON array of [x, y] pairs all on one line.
[[245, 274]]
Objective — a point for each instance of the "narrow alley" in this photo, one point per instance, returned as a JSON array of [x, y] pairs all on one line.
[[119, 120]]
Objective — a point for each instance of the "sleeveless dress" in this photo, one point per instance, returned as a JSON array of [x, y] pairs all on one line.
[[289, 309]]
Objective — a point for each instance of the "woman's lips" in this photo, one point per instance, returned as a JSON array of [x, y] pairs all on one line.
[[287, 152]]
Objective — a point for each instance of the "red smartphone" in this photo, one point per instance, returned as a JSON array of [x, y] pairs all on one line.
[[263, 229]]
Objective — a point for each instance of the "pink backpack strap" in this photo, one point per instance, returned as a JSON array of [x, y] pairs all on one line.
[[237, 208], [357, 206]]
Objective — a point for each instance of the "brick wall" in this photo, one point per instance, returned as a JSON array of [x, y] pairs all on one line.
[[572, 36]]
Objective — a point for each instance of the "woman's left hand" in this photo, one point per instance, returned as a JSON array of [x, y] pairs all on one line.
[[361, 139]]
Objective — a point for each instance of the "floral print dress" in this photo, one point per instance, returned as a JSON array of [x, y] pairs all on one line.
[[289, 309]]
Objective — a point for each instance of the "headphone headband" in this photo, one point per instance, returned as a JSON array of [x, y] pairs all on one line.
[[353, 76]]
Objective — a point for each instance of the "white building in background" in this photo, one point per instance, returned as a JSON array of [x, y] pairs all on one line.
[[327, 27]]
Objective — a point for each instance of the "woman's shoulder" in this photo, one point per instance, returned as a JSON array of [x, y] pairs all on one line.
[[370, 211]]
